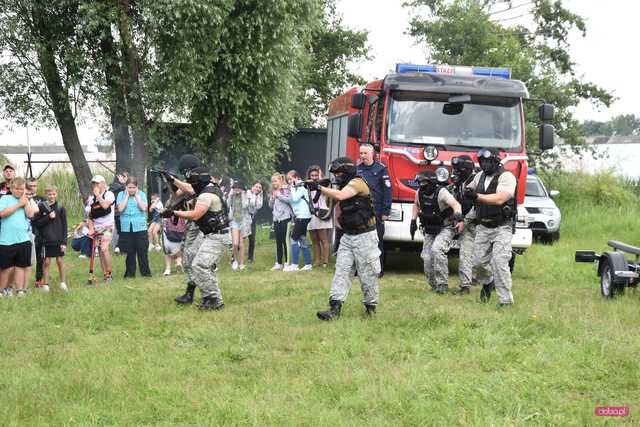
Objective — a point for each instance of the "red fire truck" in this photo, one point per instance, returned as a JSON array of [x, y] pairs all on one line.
[[423, 115]]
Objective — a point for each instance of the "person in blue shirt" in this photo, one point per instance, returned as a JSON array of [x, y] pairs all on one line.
[[134, 240], [299, 201], [15, 241], [377, 177]]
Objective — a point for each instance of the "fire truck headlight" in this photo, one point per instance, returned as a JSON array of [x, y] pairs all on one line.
[[442, 174], [430, 153]]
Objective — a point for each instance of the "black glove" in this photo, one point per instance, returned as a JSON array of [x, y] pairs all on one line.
[[470, 194], [168, 177], [311, 185], [457, 217], [413, 228], [167, 213], [326, 182]]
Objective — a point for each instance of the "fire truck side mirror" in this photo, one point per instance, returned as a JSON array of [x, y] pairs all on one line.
[[358, 101], [547, 133], [354, 129], [546, 112]]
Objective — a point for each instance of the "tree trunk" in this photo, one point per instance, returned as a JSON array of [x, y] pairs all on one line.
[[116, 101], [220, 141], [60, 105], [133, 92]]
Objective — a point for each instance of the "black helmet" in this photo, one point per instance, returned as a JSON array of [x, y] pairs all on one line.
[[463, 162], [426, 177], [198, 177], [188, 162], [344, 166], [489, 159]]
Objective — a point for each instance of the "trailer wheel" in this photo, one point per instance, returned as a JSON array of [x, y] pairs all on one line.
[[611, 262]]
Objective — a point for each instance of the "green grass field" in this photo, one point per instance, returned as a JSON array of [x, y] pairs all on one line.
[[126, 355]]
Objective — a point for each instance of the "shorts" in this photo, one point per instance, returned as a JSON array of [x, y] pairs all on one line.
[[171, 248], [234, 225], [52, 251], [104, 234], [299, 228], [18, 255]]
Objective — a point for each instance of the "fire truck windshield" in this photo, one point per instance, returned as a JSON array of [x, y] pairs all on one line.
[[418, 118]]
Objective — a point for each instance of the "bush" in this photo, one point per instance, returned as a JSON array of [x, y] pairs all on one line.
[[578, 189]]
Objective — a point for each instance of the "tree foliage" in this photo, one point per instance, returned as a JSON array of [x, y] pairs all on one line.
[[466, 32], [622, 125]]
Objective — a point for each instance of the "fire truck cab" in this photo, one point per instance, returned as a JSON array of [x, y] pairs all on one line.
[[423, 115]]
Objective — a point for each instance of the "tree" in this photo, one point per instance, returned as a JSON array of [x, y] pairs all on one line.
[[332, 49], [43, 79], [623, 125], [468, 32]]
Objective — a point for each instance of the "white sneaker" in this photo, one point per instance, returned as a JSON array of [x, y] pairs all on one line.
[[234, 265], [151, 248], [241, 266], [276, 267], [307, 267], [292, 268], [117, 250], [167, 273], [44, 288], [63, 287], [81, 256], [158, 248], [21, 293]]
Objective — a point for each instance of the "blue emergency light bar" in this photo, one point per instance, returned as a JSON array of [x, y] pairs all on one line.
[[454, 70]]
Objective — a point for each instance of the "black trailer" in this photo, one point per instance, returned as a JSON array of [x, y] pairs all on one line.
[[615, 270]]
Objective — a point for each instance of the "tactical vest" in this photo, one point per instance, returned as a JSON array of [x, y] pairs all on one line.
[[356, 213], [493, 216], [214, 222], [465, 202], [431, 217], [97, 211]]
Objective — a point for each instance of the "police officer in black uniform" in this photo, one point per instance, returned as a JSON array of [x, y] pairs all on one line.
[[377, 177]]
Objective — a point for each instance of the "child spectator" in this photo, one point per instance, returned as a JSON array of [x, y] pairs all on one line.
[[255, 204], [81, 241], [298, 199], [172, 237], [100, 211], [51, 223], [240, 216], [320, 229], [9, 173], [155, 208], [15, 243], [134, 239], [281, 211]]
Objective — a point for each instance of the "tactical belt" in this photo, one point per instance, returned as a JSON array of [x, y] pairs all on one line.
[[356, 232], [224, 231]]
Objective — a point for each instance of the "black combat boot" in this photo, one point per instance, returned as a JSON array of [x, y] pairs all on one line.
[[187, 298], [333, 312], [211, 303], [463, 290], [370, 309], [442, 289], [485, 292]]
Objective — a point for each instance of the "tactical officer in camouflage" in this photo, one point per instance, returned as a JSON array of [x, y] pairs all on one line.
[[493, 192], [440, 219], [359, 244], [211, 217], [463, 174]]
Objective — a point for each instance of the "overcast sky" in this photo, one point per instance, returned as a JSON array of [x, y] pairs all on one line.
[[607, 55]]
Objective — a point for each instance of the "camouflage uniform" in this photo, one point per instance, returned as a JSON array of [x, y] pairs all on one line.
[[362, 251], [434, 255], [203, 273], [492, 252], [465, 264], [192, 241]]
